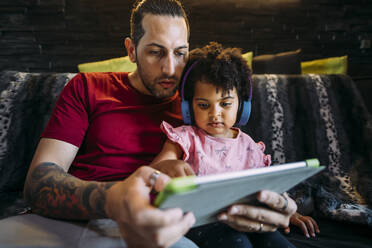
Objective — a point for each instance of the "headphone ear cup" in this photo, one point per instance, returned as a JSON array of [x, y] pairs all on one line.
[[186, 114], [245, 113]]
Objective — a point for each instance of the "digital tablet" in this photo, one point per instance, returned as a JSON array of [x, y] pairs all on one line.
[[206, 196]]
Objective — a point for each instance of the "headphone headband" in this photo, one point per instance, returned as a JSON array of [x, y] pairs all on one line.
[[185, 78]]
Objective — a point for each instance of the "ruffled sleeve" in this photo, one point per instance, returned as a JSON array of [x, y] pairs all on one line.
[[181, 135], [266, 158]]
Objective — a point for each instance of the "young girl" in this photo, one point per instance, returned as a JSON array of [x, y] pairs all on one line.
[[215, 86], [216, 93]]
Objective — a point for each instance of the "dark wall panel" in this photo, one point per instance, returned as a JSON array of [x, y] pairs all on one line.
[[56, 35]]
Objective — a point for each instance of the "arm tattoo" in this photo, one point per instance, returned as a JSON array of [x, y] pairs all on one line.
[[52, 192]]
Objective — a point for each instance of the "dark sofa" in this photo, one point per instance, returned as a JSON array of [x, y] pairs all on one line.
[[297, 116]]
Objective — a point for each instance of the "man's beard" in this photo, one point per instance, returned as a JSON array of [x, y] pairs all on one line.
[[151, 86]]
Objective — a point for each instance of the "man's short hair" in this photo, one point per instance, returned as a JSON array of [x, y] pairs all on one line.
[[156, 7]]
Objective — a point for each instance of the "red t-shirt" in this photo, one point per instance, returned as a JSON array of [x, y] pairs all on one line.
[[116, 128]]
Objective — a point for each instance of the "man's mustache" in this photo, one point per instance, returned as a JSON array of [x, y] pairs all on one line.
[[167, 77]]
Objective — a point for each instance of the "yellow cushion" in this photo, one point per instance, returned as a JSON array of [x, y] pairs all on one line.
[[122, 64], [248, 57], [333, 65]]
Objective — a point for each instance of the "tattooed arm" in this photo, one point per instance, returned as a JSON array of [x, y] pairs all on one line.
[[52, 192]]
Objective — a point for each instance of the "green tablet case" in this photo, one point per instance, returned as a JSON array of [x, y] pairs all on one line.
[[206, 196]]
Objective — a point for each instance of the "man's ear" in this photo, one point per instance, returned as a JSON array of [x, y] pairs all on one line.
[[131, 49]]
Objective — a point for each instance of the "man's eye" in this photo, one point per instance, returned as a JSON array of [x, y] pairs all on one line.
[[203, 105], [153, 52], [180, 54]]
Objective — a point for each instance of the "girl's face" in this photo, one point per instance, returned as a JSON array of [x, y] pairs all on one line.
[[214, 110]]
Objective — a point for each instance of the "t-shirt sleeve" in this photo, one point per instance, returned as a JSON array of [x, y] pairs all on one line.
[[179, 135], [69, 119]]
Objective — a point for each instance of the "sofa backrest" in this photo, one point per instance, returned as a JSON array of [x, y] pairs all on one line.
[[297, 116]]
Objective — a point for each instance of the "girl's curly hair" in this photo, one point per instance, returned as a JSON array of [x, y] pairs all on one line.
[[223, 67]]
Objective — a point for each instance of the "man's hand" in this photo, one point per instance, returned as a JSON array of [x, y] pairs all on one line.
[[174, 168], [141, 224], [250, 218], [307, 224]]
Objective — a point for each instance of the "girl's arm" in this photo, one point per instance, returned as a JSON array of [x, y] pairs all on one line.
[[168, 161]]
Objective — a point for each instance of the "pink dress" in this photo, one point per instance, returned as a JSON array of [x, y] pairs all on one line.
[[211, 155]]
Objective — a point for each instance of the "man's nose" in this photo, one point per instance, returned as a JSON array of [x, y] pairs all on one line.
[[168, 66]]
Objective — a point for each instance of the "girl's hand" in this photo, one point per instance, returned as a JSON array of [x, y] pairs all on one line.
[[307, 224], [174, 168]]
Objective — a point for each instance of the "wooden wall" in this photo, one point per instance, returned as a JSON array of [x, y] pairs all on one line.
[[56, 35]]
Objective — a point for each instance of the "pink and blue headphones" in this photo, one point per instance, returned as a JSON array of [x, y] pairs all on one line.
[[244, 110]]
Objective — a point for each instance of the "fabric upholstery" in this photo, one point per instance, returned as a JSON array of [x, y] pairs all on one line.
[[318, 116], [26, 102], [364, 84]]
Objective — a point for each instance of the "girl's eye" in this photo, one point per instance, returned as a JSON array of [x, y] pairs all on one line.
[[226, 104], [203, 105]]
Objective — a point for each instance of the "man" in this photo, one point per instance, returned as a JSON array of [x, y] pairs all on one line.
[[105, 125]]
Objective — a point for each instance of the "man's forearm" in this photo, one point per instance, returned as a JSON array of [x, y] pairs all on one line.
[[52, 192]]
